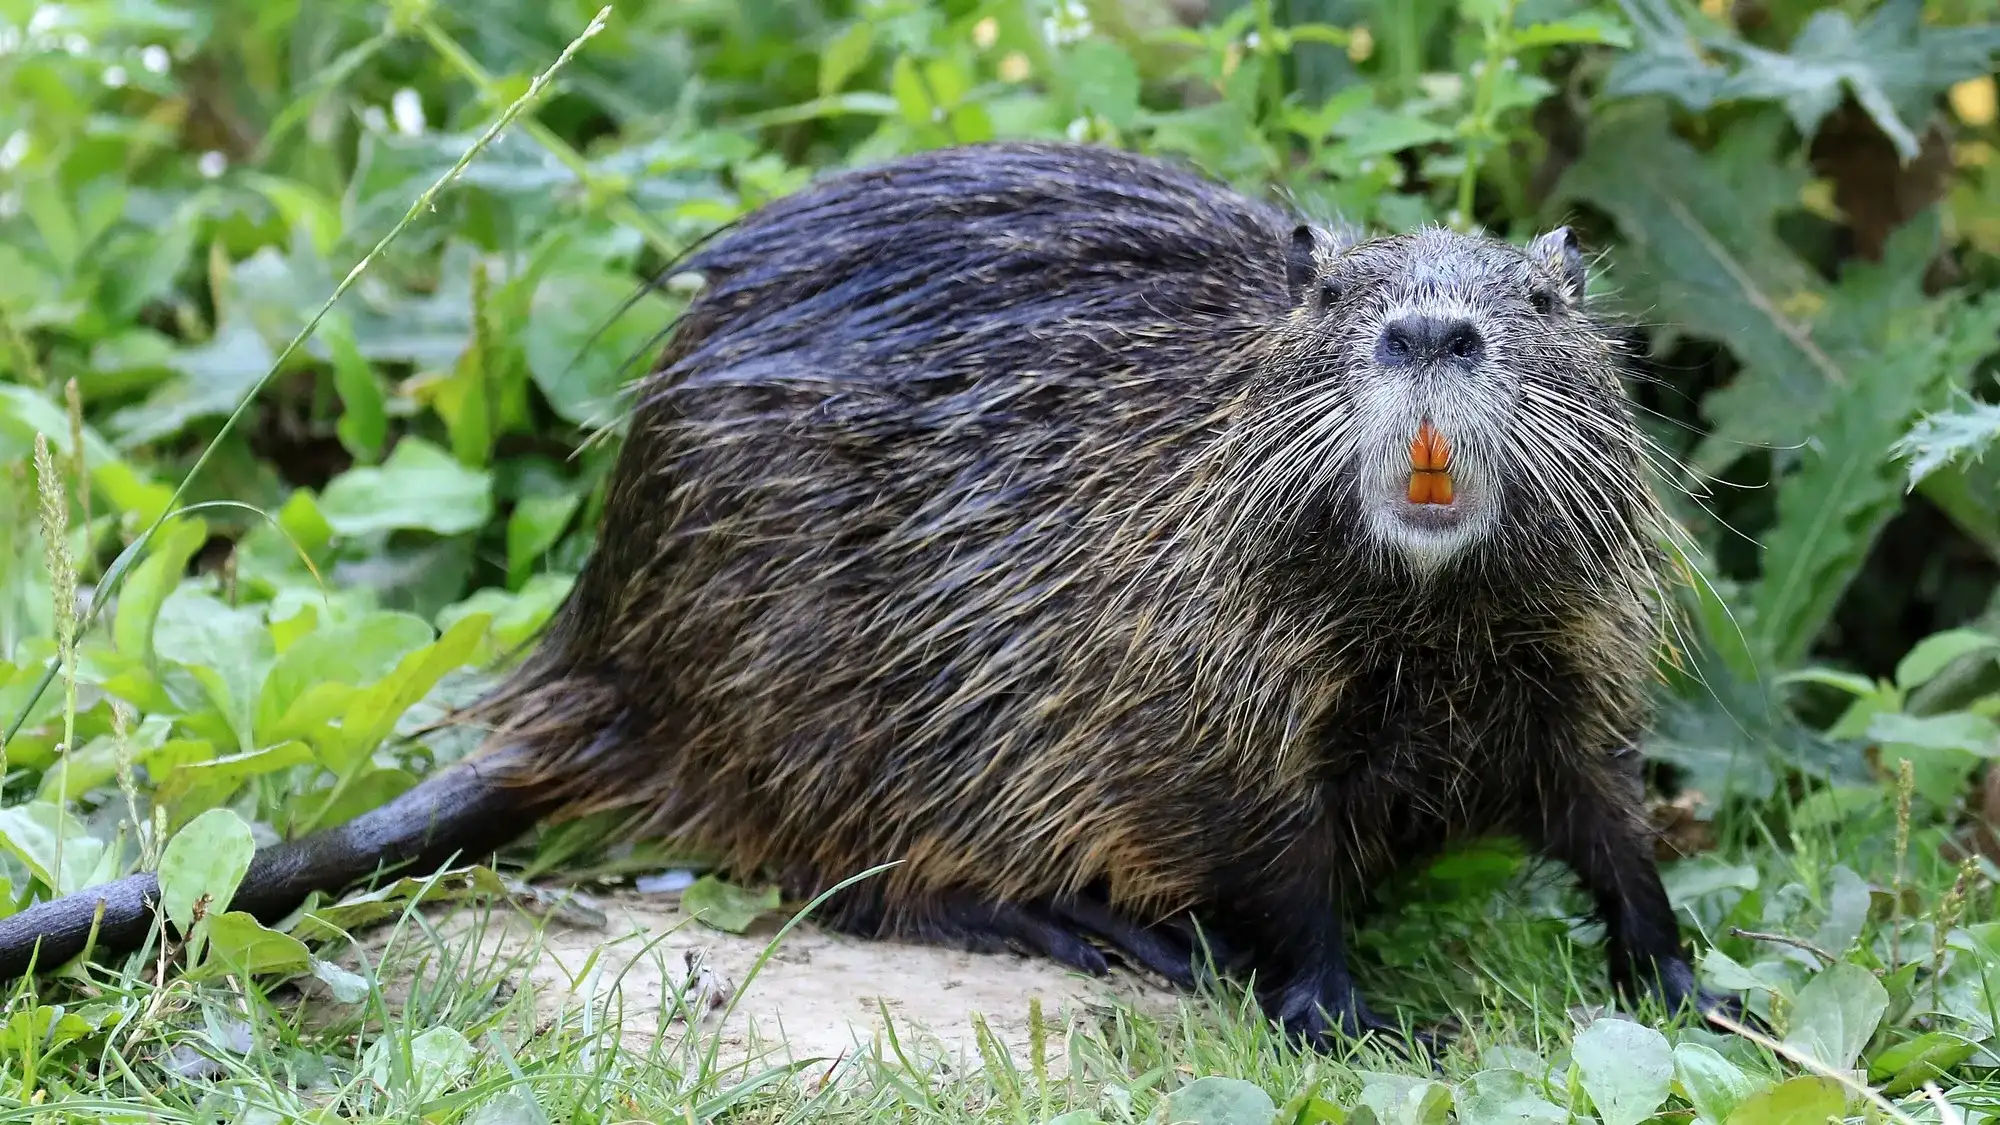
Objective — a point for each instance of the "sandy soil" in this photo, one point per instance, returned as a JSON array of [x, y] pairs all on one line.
[[821, 994]]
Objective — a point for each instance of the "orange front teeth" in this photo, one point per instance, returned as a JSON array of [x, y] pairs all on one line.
[[1430, 472]]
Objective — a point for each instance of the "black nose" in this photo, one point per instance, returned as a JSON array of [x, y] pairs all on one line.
[[1418, 338]]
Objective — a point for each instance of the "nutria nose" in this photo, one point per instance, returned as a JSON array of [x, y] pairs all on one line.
[[1420, 338]]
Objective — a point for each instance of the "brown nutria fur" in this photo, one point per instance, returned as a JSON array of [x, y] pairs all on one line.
[[1043, 518]]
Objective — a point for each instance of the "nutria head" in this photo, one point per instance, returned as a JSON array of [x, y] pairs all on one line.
[[1465, 407]]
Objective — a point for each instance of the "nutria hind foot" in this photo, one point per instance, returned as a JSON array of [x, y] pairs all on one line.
[[1068, 932]]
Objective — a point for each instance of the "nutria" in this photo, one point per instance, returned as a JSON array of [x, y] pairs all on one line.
[[1108, 548]]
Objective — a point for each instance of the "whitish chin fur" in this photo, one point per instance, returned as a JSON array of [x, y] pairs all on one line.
[[1427, 536]]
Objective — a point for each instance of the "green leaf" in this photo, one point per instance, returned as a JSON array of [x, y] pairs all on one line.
[[148, 584], [535, 525], [1714, 1085], [1847, 904], [1584, 27], [238, 943], [1836, 1013], [214, 377], [515, 616], [347, 987], [200, 870], [219, 778], [1955, 730], [37, 832], [843, 55], [579, 369], [725, 906], [420, 487], [1106, 80], [228, 650], [1506, 1097], [1931, 655], [1701, 252], [1807, 1100], [438, 1058], [1628, 1069], [1913, 1062], [1399, 1099], [363, 426], [1221, 1101], [359, 651]]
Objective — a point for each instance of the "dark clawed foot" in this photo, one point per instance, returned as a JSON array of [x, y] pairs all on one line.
[[1173, 949], [1322, 1018], [1675, 987]]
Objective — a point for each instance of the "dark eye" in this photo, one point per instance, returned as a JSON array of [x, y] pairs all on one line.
[[1329, 292], [1543, 300]]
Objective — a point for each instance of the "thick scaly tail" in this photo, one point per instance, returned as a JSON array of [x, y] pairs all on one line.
[[462, 812]]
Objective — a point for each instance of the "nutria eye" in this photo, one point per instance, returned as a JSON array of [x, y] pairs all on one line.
[[1329, 292], [1463, 344], [1543, 300]]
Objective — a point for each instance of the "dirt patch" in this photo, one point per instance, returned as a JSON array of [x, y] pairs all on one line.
[[820, 994]]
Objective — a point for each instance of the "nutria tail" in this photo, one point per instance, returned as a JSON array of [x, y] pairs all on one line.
[[461, 812]]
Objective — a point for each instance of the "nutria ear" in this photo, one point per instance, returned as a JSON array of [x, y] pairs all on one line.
[[1557, 250], [1301, 262]]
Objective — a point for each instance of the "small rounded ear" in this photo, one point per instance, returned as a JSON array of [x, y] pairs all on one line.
[[1301, 262], [1558, 253]]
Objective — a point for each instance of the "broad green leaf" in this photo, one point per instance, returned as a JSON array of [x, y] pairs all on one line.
[[726, 906], [579, 369], [1847, 903], [238, 943], [214, 377], [1931, 655], [1714, 1085], [519, 1107], [38, 832], [516, 617], [148, 584], [1628, 1069], [1506, 1097], [1221, 1101], [222, 777], [1399, 1099], [420, 487], [438, 1058], [1913, 1062], [1955, 730], [1584, 27], [1106, 81], [1836, 1013], [535, 525], [200, 869], [1806, 1100], [1693, 879], [359, 652], [363, 426], [372, 714], [228, 650], [330, 921]]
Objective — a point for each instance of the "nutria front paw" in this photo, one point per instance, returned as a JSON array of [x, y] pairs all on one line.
[[1675, 987], [1324, 1014]]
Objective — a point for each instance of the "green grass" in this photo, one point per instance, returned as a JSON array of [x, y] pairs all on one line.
[[305, 525]]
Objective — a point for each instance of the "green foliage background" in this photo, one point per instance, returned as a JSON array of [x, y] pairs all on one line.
[[1798, 206]]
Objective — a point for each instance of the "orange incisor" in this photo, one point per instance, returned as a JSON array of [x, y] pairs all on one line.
[[1430, 471]]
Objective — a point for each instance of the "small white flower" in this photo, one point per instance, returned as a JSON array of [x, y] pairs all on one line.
[[1078, 129], [75, 44], [13, 151], [212, 164], [10, 39], [10, 204], [374, 119], [47, 18], [1068, 23], [155, 59], [408, 108], [114, 77], [1253, 40]]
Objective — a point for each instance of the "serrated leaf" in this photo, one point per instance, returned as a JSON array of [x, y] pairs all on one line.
[[1961, 434], [1931, 655], [1807, 1100], [1701, 252], [1715, 1086], [1836, 1013], [726, 906], [1628, 1069], [1221, 1101], [419, 487]]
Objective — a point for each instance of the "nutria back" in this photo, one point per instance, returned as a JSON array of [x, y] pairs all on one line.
[[999, 511]]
